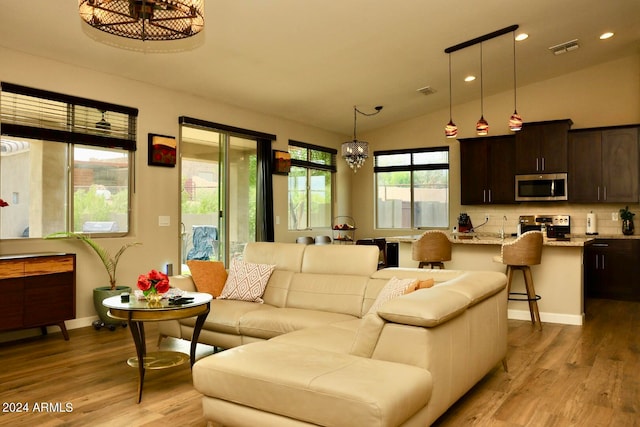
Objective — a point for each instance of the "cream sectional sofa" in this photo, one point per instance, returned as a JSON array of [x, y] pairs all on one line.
[[313, 355]]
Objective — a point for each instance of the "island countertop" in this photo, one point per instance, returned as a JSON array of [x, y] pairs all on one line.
[[494, 239]]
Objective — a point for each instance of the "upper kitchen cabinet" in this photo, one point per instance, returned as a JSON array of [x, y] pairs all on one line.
[[487, 170], [603, 165], [541, 147]]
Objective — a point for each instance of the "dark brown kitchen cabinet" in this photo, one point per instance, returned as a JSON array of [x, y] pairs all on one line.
[[603, 165], [541, 147], [38, 290], [487, 170], [611, 269]]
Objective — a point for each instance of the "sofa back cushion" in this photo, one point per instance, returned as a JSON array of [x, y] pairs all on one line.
[[356, 260], [285, 256], [336, 293]]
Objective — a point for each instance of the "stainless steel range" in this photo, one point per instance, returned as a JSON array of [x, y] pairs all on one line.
[[555, 226]]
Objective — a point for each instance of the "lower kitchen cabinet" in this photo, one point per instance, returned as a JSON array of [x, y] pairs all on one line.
[[611, 269]]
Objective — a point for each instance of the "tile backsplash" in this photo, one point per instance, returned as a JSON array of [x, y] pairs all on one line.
[[606, 225]]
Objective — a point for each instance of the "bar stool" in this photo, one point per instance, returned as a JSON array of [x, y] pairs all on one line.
[[521, 254], [305, 240], [432, 248], [322, 240]]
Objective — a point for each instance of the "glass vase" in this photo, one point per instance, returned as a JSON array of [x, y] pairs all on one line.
[[627, 227]]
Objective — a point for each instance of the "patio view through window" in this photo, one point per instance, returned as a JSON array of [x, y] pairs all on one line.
[[310, 186], [412, 188]]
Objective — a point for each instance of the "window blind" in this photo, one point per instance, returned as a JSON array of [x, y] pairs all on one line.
[[38, 114]]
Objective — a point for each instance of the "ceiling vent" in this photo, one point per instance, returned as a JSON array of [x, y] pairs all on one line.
[[427, 90], [565, 47]]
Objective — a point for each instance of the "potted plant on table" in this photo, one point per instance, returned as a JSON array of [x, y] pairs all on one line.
[[110, 264], [627, 221]]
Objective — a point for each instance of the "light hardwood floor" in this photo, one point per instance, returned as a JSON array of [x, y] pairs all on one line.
[[562, 376]]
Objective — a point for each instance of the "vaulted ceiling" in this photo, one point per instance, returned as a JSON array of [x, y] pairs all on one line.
[[311, 61]]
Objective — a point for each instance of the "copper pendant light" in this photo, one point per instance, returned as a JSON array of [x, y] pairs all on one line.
[[450, 130], [482, 127], [515, 121]]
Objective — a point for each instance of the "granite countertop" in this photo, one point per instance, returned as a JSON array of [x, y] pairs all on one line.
[[495, 239]]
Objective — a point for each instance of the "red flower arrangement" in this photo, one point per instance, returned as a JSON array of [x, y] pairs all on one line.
[[3, 203], [153, 282]]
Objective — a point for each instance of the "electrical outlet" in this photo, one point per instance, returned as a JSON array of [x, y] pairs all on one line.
[[614, 216]]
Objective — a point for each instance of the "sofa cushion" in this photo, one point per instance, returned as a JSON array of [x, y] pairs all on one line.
[[425, 307], [336, 293], [394, 288], [338, 336], [208, 276], [366, 336], [246, 281], [352, 260], [314, 386], [285, 256], [268, 324]]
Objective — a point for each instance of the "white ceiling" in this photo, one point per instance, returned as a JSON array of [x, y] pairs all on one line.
[[311, 61]]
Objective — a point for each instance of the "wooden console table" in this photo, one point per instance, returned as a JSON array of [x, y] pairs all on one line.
[[38, 290]]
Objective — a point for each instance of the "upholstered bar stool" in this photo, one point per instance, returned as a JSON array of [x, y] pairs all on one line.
[[431, 249], [521, 254]]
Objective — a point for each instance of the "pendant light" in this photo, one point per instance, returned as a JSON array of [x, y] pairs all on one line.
[[450, 130], [482, 127], [355, 152], [515, 121]]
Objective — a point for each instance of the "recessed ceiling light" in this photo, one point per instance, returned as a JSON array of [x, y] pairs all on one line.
[[522, 36], [606, 35], [469, 78]]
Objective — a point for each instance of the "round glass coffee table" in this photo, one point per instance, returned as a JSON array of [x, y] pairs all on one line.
[[136, 312]]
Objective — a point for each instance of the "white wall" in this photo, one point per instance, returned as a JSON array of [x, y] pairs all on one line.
[[603, 95], [157, 188]]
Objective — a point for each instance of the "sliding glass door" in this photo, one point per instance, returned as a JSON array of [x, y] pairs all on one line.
[[218, 206]]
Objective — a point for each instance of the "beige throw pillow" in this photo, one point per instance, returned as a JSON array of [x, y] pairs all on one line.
[[246, 281]]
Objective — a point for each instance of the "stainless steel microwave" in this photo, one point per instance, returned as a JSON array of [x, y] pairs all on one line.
[[541, 187]]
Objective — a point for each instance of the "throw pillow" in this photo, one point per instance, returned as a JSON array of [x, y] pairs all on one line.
[[246, 281], [426, 283], [394, 288], [208, 276]]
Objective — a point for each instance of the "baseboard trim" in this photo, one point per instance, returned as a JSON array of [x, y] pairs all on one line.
[[565, 319]]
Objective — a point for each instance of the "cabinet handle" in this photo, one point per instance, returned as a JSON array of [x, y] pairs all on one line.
[[543, 168], [601, 245], [598, 193], [489, 195], [605, 193], [537, 170], [484, 196], [603, 262], [597, 264]]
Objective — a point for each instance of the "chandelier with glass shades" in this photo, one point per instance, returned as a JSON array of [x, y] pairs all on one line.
[[355, 152], [146, 20]]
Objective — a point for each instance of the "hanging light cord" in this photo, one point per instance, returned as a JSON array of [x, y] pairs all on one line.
[[450, 108], [481, 85], [355, 117], [515, 103]]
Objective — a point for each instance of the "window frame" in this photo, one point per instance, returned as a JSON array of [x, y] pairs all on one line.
[[411, 168], [310, 166], [51, 117]]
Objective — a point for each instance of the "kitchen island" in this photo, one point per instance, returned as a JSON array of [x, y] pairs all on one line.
[[558, 279]]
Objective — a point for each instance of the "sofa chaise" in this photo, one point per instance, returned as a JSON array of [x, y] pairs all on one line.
[[316, 353]]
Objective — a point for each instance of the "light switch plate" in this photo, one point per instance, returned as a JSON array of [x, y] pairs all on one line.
[[164, 221]]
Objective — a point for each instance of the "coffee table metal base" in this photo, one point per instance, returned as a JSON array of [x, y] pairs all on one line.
[[160, 359]]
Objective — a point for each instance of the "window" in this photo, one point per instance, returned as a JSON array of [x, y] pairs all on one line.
[[412, 188], [310, 186], [65, 163]]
